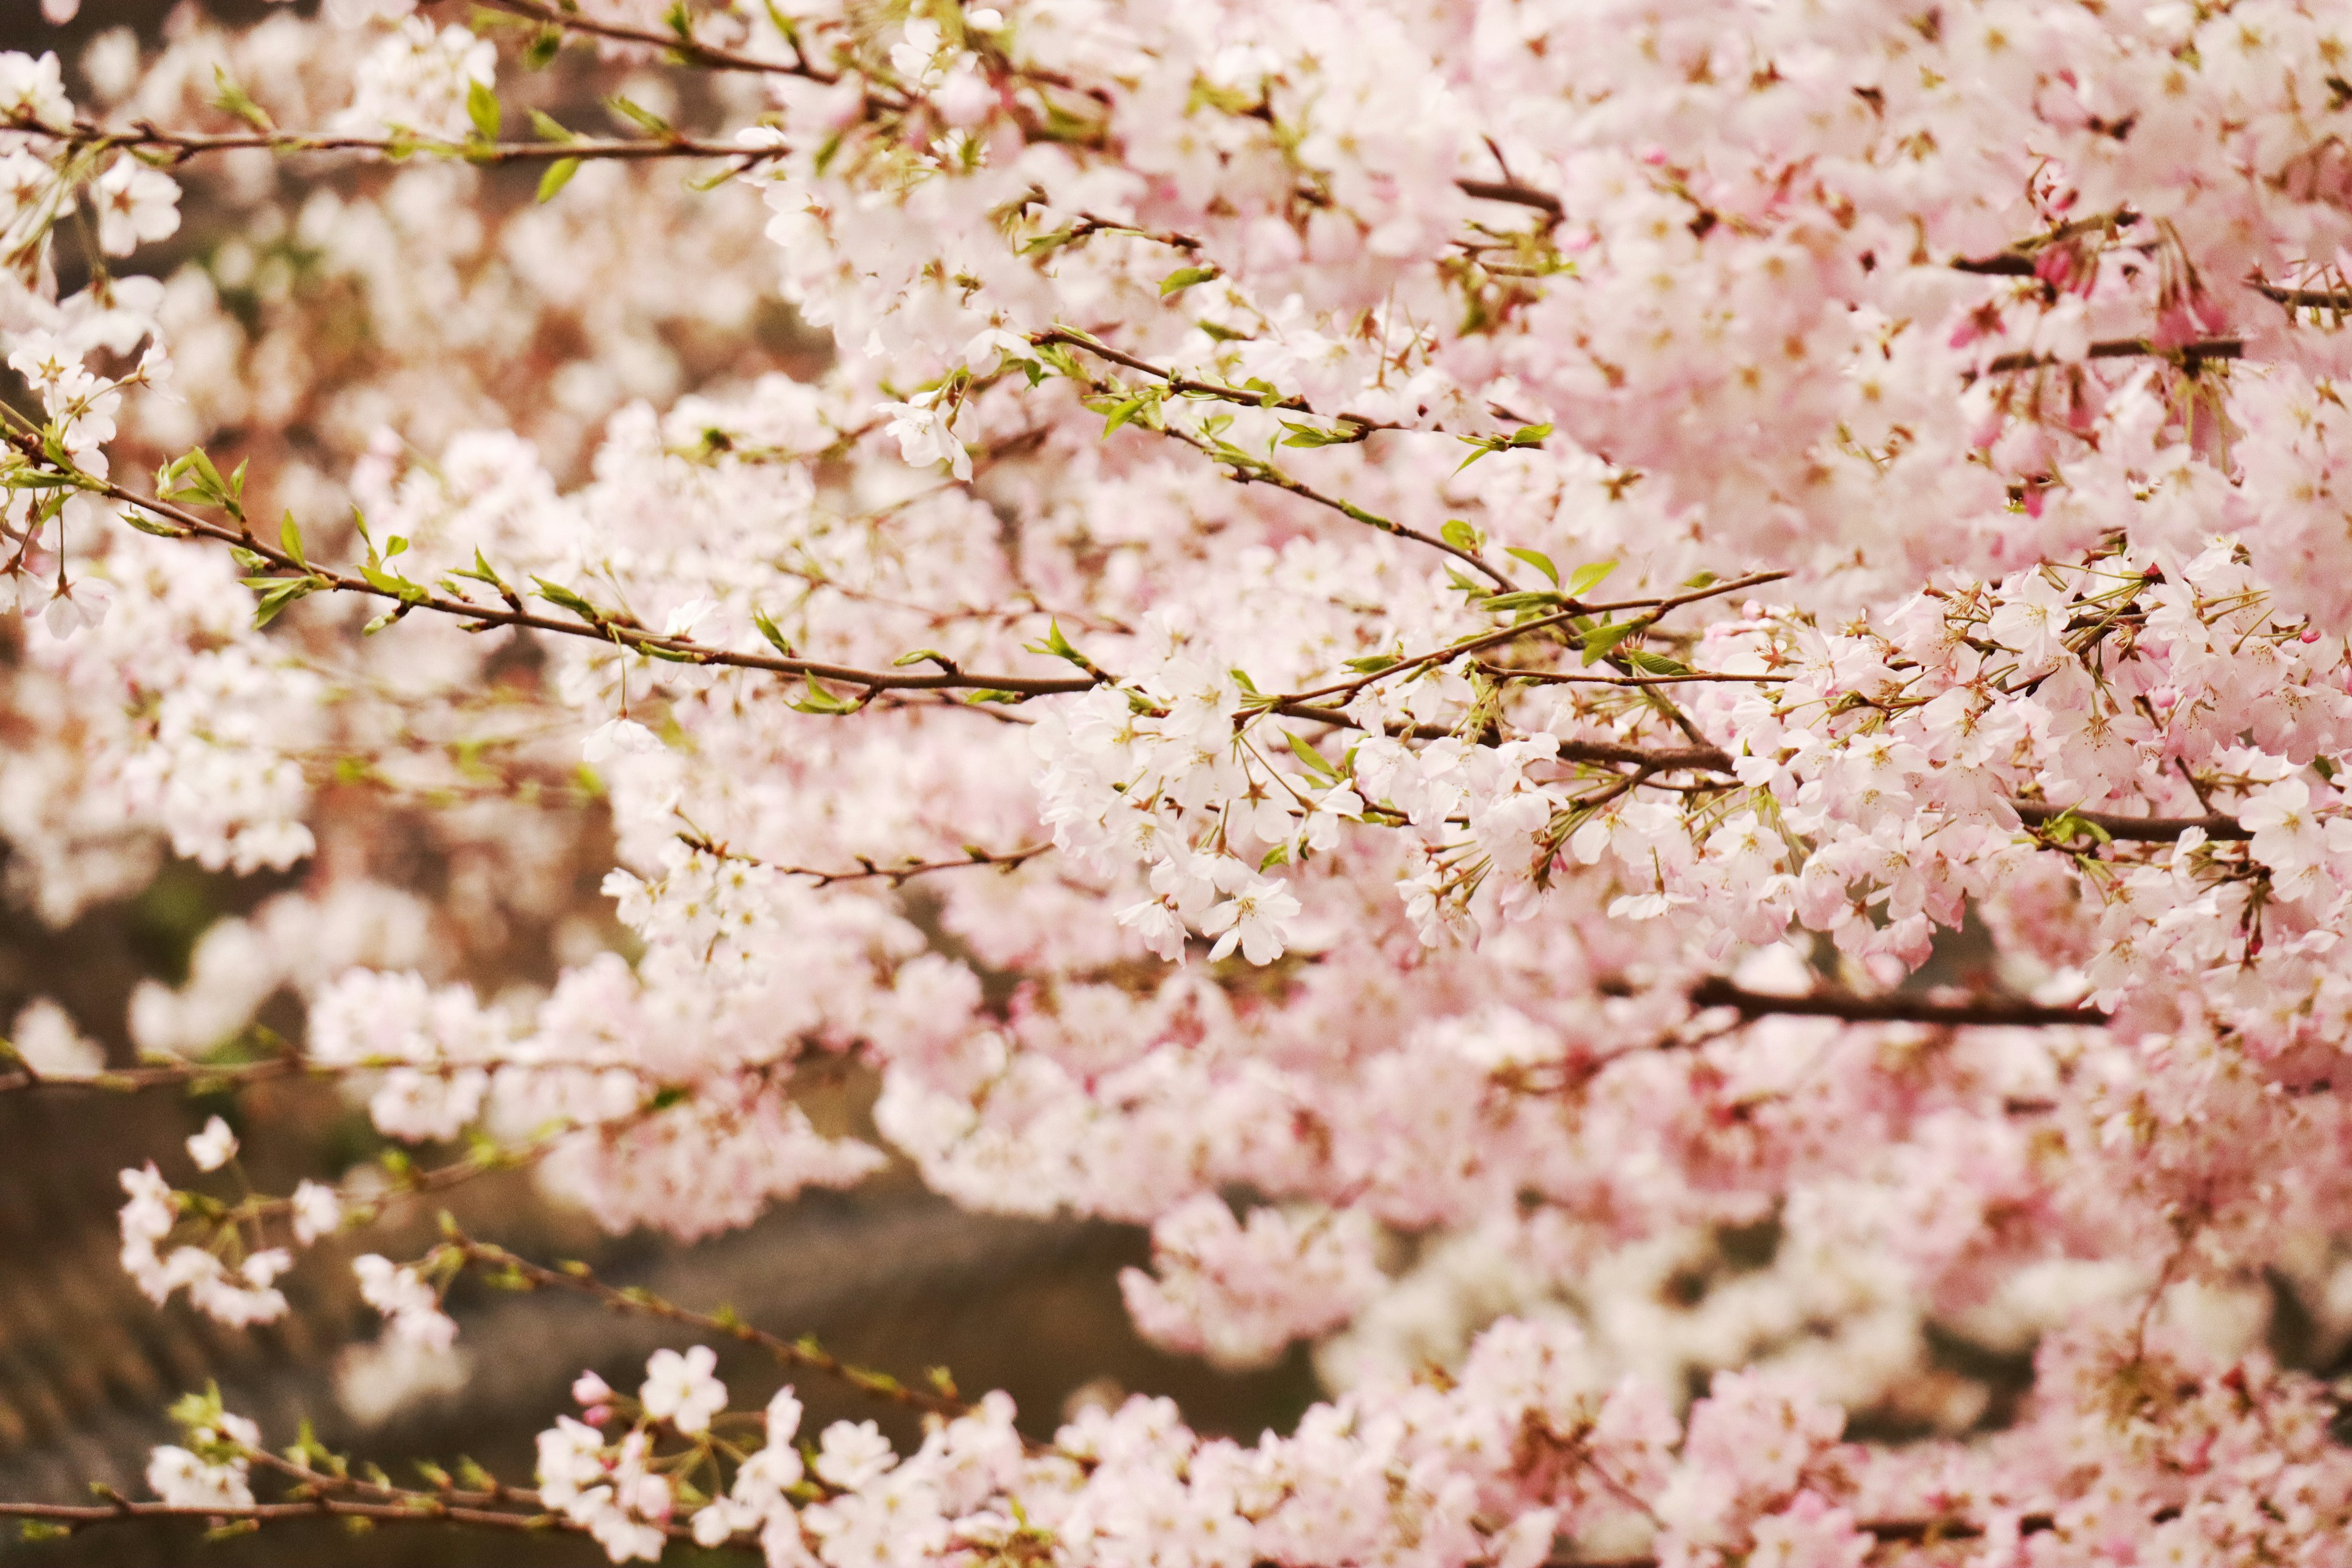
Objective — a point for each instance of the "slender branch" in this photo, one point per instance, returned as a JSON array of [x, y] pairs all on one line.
[[1573, 609], [1567, 678], [2137, 829], [181, 145], [688, 51], [1894, 1007], [606, 628], [2302, 299], [417, 1507], [2192, 353], [801, 1353], [1516, 194], [1886, 1531], [132, 1081], [868, 871]]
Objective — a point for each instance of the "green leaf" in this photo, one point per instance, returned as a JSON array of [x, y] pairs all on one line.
[[480, 571], [559, 174], [544, 45], [146, 524], [1537, 558], [228, 97], [550, 129], [1183, 277], [1521, 599], [482, 109], [817, 700], [1588, 578], [286, 590], [1045, 242], [289, 535], [1461, 535], [1058, 647], [1277, 856], [1655, 663], [918, 657], [1601, 640], [392, 583], [1373, 664], [1310, 756], [1530, 435], [1704, 580], [1309, 436], [1122, 414], [652, 124], [558, 594], [776, 638]]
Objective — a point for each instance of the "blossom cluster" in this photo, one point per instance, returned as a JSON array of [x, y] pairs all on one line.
[[1454, 654]]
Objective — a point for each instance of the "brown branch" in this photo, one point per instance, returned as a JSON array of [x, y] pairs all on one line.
[[2135, 829], [1894, 1007], [606, 628], [1886, 1531], [182, 145], [132, 1081], [1571, 609], [2190, 353], [801, 1353], [688, 51], [868, 871], [1516, 194], [2302, 299], [418, 1508]]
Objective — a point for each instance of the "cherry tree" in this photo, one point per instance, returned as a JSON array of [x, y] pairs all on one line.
[[1443, 649]]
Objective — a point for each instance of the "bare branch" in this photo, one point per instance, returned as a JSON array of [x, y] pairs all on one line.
[[1893, 1007]]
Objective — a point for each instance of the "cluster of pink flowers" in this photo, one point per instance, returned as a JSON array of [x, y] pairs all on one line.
[[1453, 653]]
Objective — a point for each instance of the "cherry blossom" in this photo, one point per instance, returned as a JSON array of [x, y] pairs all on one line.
[[1637, 716]]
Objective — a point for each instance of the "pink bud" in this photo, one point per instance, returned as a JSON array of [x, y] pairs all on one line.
[[599, 1415], [590, 1389], [2310, 634]]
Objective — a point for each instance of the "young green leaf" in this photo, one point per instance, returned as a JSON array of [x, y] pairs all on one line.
[[559, 174], [1310, 756], [1601, 640], [558, 594], [1537, 558], [1588, 578], [482, 109], [769, 630], [231, 98], [1183, 277], [646, 119], [1461, 535]]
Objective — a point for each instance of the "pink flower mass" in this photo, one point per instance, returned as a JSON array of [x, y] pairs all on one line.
[[1455, 652]]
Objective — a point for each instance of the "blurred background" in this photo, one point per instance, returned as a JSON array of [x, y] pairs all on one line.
[[887, 1275]]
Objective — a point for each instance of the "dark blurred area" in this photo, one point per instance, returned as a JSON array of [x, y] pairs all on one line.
[[888, 1276]]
